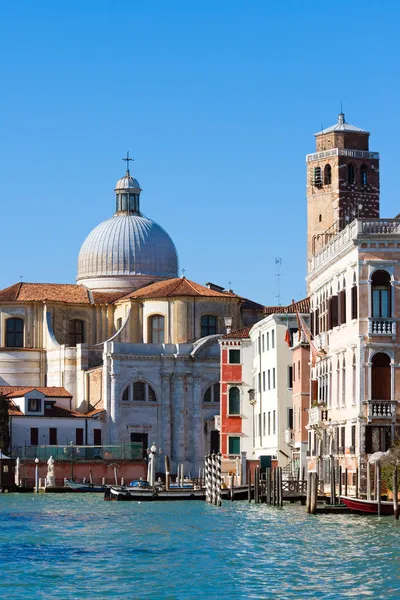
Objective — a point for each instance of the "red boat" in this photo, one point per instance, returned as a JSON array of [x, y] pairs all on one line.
[[370, 507]]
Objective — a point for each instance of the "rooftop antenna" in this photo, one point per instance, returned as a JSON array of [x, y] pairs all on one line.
[[278, 262], [127, 159]]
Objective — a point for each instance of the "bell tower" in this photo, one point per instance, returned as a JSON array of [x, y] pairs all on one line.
[[342, 182]]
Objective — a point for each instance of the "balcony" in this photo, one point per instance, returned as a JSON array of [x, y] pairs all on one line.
[[317, 415], [382, 327], [381, 409]]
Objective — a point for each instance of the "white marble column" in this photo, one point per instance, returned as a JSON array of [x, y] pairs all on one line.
[[178, 436], [165, 425], [197, 425]]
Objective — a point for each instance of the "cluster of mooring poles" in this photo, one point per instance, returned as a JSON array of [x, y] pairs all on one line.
[[213, 478], [268, 486], [374, 482]]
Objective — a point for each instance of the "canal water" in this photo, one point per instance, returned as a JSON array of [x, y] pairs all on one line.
[[80, 547]]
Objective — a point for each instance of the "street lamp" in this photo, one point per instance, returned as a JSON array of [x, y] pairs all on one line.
[[71, 451]]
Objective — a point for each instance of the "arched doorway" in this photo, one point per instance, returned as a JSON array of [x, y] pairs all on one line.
[[214, 441]]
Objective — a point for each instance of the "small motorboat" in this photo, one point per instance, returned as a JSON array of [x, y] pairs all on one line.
[[359, 505], [83, 486]]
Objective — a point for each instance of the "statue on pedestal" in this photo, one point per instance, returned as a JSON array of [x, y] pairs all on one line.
[[50, 478]]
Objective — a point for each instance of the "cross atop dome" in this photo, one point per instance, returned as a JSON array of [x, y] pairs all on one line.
[[128, 159]]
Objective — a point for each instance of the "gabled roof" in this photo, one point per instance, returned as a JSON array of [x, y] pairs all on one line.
[[55, 411], [240, 334], [178, 286], [302, 306], [55, 292], [16, 391]]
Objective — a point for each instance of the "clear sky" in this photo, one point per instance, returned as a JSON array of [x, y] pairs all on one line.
[[217, 100]]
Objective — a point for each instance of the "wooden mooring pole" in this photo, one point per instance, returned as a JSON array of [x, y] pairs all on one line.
[[340, 482], [280, 491], [232, 487], [268, 485], [357, 483], [256, 485], [314, 493], [369, 496], [308, 493], [395, 494], [167, 472], [346, 480], [249, 487]]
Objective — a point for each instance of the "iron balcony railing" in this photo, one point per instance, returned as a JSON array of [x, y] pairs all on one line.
[[131, 451]]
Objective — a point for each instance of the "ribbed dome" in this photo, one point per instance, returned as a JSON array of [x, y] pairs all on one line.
[[127, 182], [127, 245]]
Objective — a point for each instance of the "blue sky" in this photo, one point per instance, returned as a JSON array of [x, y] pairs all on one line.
[[218, 103]]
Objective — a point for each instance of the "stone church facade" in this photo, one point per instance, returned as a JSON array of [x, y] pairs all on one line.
[[131, 337]]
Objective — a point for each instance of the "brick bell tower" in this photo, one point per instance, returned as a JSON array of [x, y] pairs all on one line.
[[342, 182]]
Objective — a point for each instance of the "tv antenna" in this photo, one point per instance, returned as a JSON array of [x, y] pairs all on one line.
[[278, 275]]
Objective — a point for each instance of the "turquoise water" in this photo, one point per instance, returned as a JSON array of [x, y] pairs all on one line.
[[79, 547]]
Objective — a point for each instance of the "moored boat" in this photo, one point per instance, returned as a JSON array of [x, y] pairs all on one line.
[[83, 487], [359, 505], [127, 493]]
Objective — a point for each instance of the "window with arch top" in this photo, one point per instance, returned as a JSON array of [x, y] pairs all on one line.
[[139, 391], [234, 401], [76, 332], [381, 304], [364, 175], [208, 325], [351, 173], [15, 333], [327, 175], [156, 329], [212, 393]]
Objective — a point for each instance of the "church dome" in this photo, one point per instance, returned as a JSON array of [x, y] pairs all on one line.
[[129, 250]]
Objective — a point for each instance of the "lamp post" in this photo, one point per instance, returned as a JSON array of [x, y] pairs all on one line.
[[253, 402], [71, 451], [36, 475]]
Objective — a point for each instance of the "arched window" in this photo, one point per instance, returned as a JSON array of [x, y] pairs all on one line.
[[234, 401], [156, 329], [208, 325], [364, 175], [381, 305], [212, 393], [380, 377], [76, 330], [327, 175], [15, 333], [351, 173], [139, 391]]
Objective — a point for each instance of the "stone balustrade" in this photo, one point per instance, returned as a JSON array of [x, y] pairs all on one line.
[[381, 409], [317, 415], [382, 327]]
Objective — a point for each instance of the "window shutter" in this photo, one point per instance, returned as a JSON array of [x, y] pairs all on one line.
[[354, 302], [335, 311], [329, 314], [342, 307], [317, 321], [312, 316]]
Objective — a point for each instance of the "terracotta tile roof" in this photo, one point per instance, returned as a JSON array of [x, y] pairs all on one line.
[[15, 391], [57, 412], [178, 286], [239, 334], [302, 306], [56, 292]]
